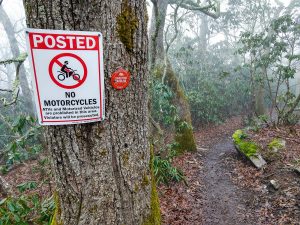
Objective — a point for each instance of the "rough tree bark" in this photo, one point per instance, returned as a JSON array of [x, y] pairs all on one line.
[[102, 169], [13, 43]]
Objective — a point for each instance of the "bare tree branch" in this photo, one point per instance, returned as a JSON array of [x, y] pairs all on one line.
[[190, 5], [16, 88], [175, 21], [6, 90], [175, 24], [20, 59], [16, 52]]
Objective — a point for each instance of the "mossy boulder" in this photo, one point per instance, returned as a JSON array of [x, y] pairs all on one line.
[[248, 148], [273, 150], [276, 144]]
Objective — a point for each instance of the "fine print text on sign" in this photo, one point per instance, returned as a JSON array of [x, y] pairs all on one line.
[[67, 68]]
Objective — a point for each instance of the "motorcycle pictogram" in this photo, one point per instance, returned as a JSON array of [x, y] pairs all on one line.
[[61, 76], [60, 70], [67, 72]]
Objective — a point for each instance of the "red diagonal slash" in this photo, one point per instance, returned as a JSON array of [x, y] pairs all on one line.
[[59, 63]]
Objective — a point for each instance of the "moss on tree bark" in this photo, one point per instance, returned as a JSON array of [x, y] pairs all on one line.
[[184, 137]]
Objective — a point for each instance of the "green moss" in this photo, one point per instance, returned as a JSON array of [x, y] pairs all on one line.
[[171, 80], [136, 188], [183, 124], [127, 24], [239, 135], [57, 211], [276, 143], [154, 218], [145, 181], [103, 152], [125, 158], [249, 148], [184, 136], [157, 72]]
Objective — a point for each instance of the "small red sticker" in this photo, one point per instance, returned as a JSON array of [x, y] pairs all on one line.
[[120, 79]]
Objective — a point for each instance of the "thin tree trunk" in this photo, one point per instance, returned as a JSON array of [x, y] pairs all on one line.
[[156, 42], [9, 29], [204, 34], [285, 117], [102, 169], [259, 100]]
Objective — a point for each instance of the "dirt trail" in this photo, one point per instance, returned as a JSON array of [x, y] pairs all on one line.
[[224, 202], [211, 197]]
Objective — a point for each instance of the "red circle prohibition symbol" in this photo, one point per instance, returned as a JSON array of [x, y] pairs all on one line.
[[55, 60]]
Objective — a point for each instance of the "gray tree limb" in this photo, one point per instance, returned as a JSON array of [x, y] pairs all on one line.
[[190, 5], [13, 43]]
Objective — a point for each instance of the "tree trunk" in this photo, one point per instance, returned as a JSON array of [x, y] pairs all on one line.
[[156, 43], [285, 118], [184, 134], [297, 84], [102, 169], [259, 100], [26, 93], [204, 34]]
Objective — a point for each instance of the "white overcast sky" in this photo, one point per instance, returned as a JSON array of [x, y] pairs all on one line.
[[15, 10]]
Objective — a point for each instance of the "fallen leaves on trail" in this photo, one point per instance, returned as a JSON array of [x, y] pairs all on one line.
[[244, 174], [181, 204], [212, 134], [291, 134]]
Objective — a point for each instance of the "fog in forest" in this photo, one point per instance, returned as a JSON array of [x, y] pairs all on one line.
[[214, 67]]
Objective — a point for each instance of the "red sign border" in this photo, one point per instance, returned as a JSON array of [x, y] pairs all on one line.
[[37, 88]]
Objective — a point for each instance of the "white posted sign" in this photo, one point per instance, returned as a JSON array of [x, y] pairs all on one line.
[[67, 68]]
